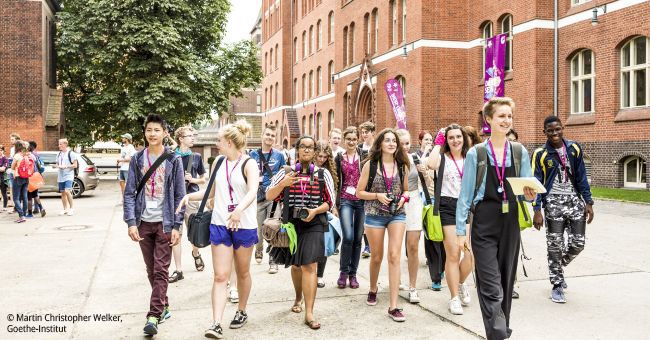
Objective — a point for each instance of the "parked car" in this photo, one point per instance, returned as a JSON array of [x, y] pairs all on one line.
[[86, 179]]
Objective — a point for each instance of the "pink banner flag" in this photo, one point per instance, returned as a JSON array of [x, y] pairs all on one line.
[[495, 59], [396, 99]]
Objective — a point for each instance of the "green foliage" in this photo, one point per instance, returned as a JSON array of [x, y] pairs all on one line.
[[121, 60]]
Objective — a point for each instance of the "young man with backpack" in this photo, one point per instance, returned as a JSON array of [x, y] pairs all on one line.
[[269, 162], [155, 187], [568, 205], [67, 163], [23, 167], [34, 205]]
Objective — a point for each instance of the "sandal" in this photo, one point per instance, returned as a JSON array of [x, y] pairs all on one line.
[[176, 276], [198, 262], [297, 307], [313, 324]]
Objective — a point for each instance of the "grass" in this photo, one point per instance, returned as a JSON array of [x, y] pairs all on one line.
[[621, 194]]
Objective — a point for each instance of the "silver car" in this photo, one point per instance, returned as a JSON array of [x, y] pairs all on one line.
[[86, 179]]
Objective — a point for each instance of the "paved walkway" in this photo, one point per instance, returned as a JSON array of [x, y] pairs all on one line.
[[86, 264]]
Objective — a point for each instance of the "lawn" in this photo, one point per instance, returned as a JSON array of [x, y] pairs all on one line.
[[622, 194]]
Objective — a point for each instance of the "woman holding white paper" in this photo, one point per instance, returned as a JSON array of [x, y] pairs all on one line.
[[495, 227]]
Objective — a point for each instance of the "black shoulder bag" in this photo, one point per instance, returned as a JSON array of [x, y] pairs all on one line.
[[198, 224], [261, 191]]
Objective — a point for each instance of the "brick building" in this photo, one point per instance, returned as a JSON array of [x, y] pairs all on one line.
[[30, 102], [325, 63]]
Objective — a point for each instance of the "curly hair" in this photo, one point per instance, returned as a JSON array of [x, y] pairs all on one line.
[[323, 146]]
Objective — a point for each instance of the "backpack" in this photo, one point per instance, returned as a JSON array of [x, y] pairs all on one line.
[[26, 167], [373, 174], [76, 169], [39, 166]]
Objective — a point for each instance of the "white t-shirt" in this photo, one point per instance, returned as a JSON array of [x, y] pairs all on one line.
[[451, 180], [222, 200], [62, 159], [126, 151]]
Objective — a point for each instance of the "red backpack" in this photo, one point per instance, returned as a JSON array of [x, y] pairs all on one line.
[[26, 167]]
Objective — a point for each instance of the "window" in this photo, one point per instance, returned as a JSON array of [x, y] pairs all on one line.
[[367, 32], [375, 24], [266, 57], [635, 70], [271, 97], [266, 98], [311, 39], [506, 27], [330, 29], [258, 106], [330, 120], [271, 60], [345, 45], [311, 124], [304, 125], [295, 50], [276, 56], [351, 48], [304, 44], [634, 173], [330, 83], [393, 22], [403, 20], [319, 38], [487, 33], [319, 84], [582, 82], [311, 84], [578, 2], [295, 88], [277, 89], [304, 86], [319, 126], [402, 84]]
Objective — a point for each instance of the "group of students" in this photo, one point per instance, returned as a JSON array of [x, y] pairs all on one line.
[[374, 188]]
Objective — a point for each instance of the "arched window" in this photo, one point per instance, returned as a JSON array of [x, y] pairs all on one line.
[[487, 33], [351, 48], [635, 73], [330, 120], [266, 99], [345, 45], [393, 22], [345, 107], [506, 27], [304, 126], [295, 50], [311, 125], [271, 97], [403, 20], [275, 99], [304, 87], [319, 81], [266, 58], [319, 126], [330, 82], [311, 84], [304, 44], [634, 173], [375, 25], [582, 82], [276, 56], [271, 60], [319, 37], [311, 39], [330, 28], [367, 32]]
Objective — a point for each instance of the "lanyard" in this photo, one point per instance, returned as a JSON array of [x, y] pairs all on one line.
[[389, 184], [303, 189], [500, 174], [460, 172], [564, 160], [228, 177], [354, 158], [153, 176]]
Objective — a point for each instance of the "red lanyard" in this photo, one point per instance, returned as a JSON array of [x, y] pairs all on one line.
[[460, 172], [389, 184], [229, 175], [564, 161], [303, 189], [500, 174], [153, 176]]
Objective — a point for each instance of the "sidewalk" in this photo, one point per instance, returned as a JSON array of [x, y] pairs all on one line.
[[86, 264]]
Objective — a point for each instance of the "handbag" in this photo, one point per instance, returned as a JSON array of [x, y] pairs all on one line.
[[524, 215], [198, 226], [431, 223], [36, 181], [271, 227]]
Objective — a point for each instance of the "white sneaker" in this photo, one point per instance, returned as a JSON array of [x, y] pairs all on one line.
[[233, 296], [463, 292], [455, 306], [63, 212], [413, 296], [70, 212]]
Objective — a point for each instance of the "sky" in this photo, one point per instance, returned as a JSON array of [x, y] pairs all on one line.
[[241, 19]]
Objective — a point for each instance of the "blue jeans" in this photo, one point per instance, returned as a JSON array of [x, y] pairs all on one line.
[[20, 195], [352, 216]]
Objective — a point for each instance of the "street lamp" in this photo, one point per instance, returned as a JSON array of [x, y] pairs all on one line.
[[594, 14]]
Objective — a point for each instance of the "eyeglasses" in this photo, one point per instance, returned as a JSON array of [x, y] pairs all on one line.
[[306, 148], [351, 139]]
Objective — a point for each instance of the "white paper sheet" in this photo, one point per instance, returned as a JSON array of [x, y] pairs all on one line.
[[518, 184]]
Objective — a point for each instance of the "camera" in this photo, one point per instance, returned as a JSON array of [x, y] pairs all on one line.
[[391, 208], [300, 213]]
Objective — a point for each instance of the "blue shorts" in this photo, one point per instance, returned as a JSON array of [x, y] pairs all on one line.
[[63, 186], [374, 221], [243, 237], [123, 175]]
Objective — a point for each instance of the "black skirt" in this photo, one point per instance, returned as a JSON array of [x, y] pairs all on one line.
[[310, 247]]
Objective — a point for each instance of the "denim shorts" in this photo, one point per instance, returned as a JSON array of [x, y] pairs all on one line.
[[63, 186], [243, 237], [374, 221], [123, 175]]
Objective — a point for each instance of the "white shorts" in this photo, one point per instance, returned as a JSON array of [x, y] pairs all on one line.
[[413, 211]]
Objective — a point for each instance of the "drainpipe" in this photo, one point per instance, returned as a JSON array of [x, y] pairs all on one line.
[[555, 57]]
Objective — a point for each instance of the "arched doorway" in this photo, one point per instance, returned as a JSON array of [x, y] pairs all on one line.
[[364, 107]]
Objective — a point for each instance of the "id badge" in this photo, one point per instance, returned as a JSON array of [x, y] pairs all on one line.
[[232, 207], [351, 190], [505, 207], [152, 204]]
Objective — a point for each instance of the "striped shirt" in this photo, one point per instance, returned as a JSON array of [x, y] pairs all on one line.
[[306, 194]]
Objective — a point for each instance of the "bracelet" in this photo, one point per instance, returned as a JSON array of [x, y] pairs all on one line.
[[406, 198]]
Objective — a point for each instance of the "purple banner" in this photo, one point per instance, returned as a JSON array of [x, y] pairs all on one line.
[[495, 59], [396, 99]]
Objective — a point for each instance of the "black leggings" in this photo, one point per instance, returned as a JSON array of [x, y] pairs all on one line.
[[3, 188]]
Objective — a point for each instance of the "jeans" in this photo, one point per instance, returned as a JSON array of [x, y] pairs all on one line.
[[157, 256], [20, 195], [352, 216]]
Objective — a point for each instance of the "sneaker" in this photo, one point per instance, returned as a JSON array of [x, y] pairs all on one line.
[[259, 256], [43, 213], [240, 319], [396, 315], [404, 287], [557, 294], [321, 282], [20, 220], [372, 299], [366, 252], [273, 268], [63, 212], [455, 306], [29, 215], [70, 212], [515, 295], [214, 332], [413, 296], [342, 281], [437, 286], [463, 291], [354, 284], [166, 314], [151, 327], [233, 296]]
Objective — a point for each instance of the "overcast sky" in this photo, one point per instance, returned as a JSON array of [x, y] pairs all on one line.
[[241, 19]]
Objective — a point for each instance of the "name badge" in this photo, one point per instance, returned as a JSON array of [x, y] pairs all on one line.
[[351, 190], [505, 207], [152, 204], [232, 207]]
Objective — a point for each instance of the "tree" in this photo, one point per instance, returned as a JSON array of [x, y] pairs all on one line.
[[119, 61]]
